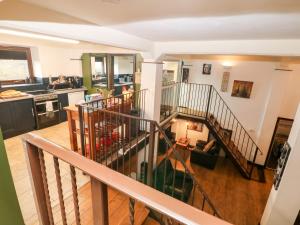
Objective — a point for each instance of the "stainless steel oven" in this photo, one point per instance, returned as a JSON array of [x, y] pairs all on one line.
[[46, 109]]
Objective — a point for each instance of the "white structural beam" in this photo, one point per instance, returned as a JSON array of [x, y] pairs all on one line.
[[83, 32], [285, 47]]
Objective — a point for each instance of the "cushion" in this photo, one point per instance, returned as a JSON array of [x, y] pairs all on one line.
[[213, 151], [201, 143], [208, 145]]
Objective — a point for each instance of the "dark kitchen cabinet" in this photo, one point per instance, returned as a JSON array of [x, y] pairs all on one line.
[[63, 102], [7, 119], [16, 117]]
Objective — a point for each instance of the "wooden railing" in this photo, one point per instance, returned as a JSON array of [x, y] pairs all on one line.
[[126, 143], [101, 178]]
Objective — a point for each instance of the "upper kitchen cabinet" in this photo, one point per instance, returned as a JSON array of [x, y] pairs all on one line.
[[110, 71]]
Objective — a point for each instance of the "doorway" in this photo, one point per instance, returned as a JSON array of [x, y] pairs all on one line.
[[280, 136]]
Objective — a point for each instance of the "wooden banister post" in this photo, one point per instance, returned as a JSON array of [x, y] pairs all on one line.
[[99, 202], [81, 127], [151, 153], [34, 167]]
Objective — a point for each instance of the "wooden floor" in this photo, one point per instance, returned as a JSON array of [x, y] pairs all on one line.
[[239, 201], [16, 157], [118, 208], [118, 202]]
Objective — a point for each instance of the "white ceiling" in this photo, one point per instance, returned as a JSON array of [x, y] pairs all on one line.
[[250, 26], [104, 13], [169, 20]]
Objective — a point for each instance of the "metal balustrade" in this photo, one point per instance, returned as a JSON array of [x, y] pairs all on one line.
[[117, 141], [101, 179], [128, 144], [203, 101]]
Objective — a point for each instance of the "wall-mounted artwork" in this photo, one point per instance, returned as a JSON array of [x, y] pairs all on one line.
[[206, 70], [185, 75], [225, 81], [195, 126], [242, 89]]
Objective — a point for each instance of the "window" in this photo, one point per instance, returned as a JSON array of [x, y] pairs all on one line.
[[15, 65]]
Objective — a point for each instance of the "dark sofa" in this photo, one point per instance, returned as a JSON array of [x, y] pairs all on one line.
[[182, 188], [205, 155]]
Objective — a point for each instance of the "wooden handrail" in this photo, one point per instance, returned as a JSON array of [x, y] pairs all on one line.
[[154, 199], [158, 128]]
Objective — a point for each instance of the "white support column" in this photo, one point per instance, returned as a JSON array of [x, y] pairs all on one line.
[[151, 79], [283, 204], [271, 113]]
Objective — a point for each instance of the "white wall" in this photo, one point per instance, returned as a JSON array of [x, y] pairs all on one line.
[[123, 65], [53, 58], [274, 94], [283, 205], [172, 65], [180, 128]]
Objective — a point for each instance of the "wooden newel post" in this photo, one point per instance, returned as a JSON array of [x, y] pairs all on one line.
[[81, 127], [151, 153], [34, 167], [99, 202]]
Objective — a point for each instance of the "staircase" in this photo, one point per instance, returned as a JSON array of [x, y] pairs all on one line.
[[108, 198], [132, 153], [203, 102]]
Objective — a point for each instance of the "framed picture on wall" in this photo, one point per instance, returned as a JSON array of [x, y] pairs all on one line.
[[185, 75], [206, 70], [225, 81], [195, 126], [242, 89]]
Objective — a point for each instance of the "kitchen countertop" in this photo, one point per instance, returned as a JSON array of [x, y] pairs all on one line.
[[115, 85], [63, 91]]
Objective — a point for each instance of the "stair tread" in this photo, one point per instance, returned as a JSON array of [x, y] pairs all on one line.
[[150, 221], [240, 160]]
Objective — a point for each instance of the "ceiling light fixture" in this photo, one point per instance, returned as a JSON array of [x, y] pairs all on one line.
[[37, 36], [227, 65]]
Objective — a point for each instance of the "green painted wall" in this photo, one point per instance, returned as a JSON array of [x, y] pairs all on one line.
[[10, 212], [86, 72]]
